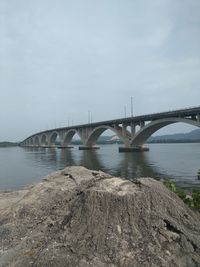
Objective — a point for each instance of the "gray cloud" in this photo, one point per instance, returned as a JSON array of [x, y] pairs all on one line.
[[61, 59]]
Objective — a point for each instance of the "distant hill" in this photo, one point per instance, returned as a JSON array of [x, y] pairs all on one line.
[[8, 144], [193, 136], [105, 139]]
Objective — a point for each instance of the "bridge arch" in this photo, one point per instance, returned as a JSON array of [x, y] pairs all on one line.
[[53, 137], [69, 135], [31, 142], [95, 134], [28, 142], [152, 127], [36, 141], [44, 140]]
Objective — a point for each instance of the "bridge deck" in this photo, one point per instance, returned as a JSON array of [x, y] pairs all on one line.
[[135, 119]]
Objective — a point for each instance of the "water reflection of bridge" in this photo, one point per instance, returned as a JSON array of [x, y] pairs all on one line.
[[127, 165]]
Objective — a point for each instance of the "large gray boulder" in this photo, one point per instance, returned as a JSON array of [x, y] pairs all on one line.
[[78, 217]]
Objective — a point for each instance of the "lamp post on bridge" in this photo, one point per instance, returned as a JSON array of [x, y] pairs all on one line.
[[125, 111], [131, 106], [89, 116]]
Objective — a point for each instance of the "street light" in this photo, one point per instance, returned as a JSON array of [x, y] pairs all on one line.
[[131, 106], [89, 116], [125, 111]]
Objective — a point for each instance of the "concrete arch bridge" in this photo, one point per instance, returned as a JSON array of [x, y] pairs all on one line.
[[126, 129]]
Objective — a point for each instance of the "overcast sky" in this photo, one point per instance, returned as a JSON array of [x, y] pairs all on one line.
[[59, 59]]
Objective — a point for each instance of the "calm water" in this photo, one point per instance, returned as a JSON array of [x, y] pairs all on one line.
[[22, 166]]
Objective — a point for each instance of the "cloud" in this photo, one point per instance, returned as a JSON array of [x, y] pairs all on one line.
[[61, 59]]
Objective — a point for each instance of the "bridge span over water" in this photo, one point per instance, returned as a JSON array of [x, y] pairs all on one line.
[[126, 129]]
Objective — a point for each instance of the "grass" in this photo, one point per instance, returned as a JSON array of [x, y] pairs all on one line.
[[193, 200]]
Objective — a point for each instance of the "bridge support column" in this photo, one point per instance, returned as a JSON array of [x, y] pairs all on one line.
[[198, 117], [124, 126], [132, 129], [64, 145], [142, 124]]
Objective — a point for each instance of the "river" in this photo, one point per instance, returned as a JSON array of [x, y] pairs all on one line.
[[180, 162]]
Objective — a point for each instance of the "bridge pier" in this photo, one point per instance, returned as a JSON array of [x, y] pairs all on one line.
[[88, 147], [64, 147], [133, 149]]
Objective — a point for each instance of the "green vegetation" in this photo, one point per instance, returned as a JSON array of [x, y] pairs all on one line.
[[198, 174], [8, 144], [193, 200], [191, 137], [196, 198], [171, 141]]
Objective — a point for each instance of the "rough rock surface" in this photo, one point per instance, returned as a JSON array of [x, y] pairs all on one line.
[[78, 217]]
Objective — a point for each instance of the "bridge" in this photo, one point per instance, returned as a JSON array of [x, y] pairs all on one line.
[[125, 128]]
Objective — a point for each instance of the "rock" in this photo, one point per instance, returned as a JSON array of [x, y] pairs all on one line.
[[78, 217]]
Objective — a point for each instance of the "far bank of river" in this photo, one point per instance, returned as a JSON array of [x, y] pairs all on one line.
[[180, 162], [8, 144]]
